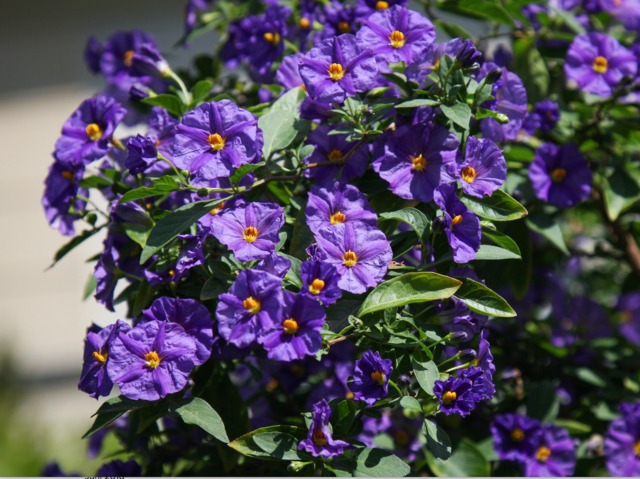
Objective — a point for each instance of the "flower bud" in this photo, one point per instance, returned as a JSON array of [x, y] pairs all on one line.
[[457, 337], [493, 76], [467, 355]]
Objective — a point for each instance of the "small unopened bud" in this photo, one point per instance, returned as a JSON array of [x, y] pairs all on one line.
[[296, 466], [203, 193], [438, 223], [458, 337], [494, 75], [186, 173], [467, 355], [91, 218], [502, 118]]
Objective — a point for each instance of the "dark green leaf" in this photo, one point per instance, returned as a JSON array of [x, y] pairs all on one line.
[[200, 90], [343, 418], [417, 103], [112, 410], [497, 207], [459, 113], [244, 170], [548, 227], [483, 300], [413, 217], [489, 252], [293, 274], [411, 404], [438, 441], [501, 240], [425, 371], [281, 123], [169, 102], [174, 223], [272, 442], [199, 412], [466, 461], [161, 186], [531, 68], [72, 244], [212, 288], [621, 190], [592, 377], [95, 182], [574, 427], [409, 288], [372, 462], [487, 9], [542, 401]]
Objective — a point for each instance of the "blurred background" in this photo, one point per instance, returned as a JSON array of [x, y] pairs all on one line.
[[43, 319]]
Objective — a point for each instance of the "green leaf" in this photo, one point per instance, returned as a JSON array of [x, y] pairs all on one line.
[[489, 252], [343, 418], [621, 190], [542, 401], [548, 227], [95, 182], [371, 462], [72, 244], [112, 410], [169, 102], [502, 240], [282, 123], [487, 9], [466, 461], [438, 441], [272, 442], [591, 377], [199, 412], [459, 113], [244, 170], [293, 275], [425, 371], [161, 186], [174, 223], [410, 403], [200, 91], [483, 300], [407, 289], [413, 217], [497, 207], [574, 427], [531, 68], [453, 29], [417, 103]]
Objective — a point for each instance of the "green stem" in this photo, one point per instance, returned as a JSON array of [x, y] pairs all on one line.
[[395, 386]]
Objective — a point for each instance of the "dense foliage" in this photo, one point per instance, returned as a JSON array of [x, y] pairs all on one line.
[[342, 247]]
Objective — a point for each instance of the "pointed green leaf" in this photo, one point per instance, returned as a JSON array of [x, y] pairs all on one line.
[[169, 102], [112, 410], [417, 103], [372, 462], [199, 412], [413, 217], [409, 288], [459, 113], [497, 207], [438, 440], [502, 240], [72, 244], [548, 227], [161, 186], [483, 300], [425, 371], [466, 461], [244, 170], [621, 190], [489, 252], [272, 442]]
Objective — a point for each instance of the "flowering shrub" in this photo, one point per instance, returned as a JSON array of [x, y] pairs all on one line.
[[315, 235]]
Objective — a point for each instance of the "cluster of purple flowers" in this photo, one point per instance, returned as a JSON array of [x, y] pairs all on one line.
[[541, 449]]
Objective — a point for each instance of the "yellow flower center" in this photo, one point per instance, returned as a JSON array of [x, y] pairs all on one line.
[[127, 58], [349, 395], [378, 376], [636, 448], [396, 39], [350, 259], [625, 316], [252, 305], [336, 72], [316, 286], [250, 234], [153, 360], [68, 175], [600, 65], [344, 27], [558, 175], [543, 453], [100, 356], [216, 141], [94, 132], [449, 396], [290, 326], [272, 37], [457, 219], [402, 437], [517, 435], [319, 438], [382, 5], [272, 384], [304, 23], [419, 163], [217, 209], [172, 273], [468, 174], [335, 155], [337, 217]]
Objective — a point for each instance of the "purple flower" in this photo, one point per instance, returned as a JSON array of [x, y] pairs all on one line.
[[455, 396], [333, 150], [94, 379], [338, 19], [147, 60], [298, 333], [416, 160], [118, 468], [274, 264], [629, 309], [337, 68], [252, 306], [463, 51], [510, 99], [361, 254], [544, 117], [87, 132], [335, 204], [560, 175], [396, 34], [462, 227], [288, 74], [597, 63], [625, 11], [622, 442], [193, 316], [192, 11], [320, 281], [151, 360], [215, 138], [320, 441], [554, 456], [484, 168], [475, 375], [515, 437], [371, 377], [142, 154], [484, 360], [250, 231], [61, 207], [116, 59], [365, 8]]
